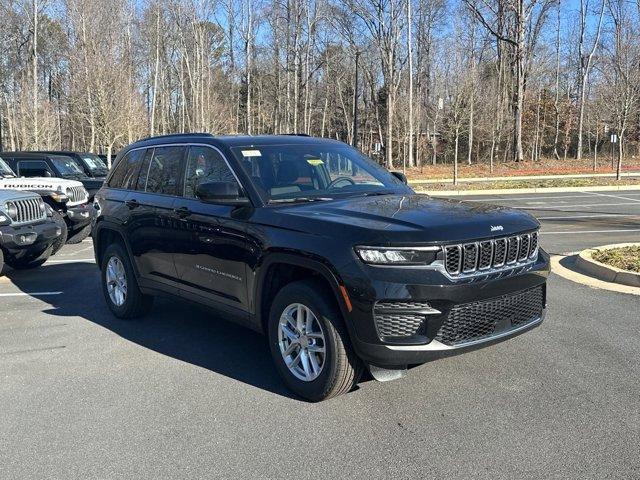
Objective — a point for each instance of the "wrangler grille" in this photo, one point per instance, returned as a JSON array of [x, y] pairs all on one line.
[[496, 253], [29, 210], [77, 194], [473, 321]]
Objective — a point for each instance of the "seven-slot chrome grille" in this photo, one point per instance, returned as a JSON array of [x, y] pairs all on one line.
[[496, 253], [29, 210], [77, 194]]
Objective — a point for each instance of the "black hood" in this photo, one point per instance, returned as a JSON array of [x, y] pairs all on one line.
[[399, 218], [92, 183]]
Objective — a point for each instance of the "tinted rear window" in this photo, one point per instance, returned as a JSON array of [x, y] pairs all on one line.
[[125, 174], [165, 171]]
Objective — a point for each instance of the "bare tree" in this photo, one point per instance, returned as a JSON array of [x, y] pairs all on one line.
[[586, 63]]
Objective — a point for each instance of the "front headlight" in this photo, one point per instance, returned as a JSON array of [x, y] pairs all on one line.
[[412, 256], [59, 197], [11, 210]]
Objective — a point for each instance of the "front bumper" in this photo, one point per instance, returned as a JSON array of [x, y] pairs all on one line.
[[80, 216], [445, 295], [20, 241]]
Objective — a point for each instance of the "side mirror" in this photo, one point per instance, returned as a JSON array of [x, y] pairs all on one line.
[[47, 173], [227, 193], [400, 176]]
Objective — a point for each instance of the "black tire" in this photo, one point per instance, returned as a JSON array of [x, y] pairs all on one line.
[[29, 262], [342, 368], [62, 239], [1, 262], [136, 304], [79, 236]]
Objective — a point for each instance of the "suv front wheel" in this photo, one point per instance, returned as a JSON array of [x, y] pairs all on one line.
[[309, 342], [119, 285]]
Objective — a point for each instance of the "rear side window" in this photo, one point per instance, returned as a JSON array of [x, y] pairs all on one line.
[[165, 171], [205, 165], [125, 174], [33, 168], [144, 170]]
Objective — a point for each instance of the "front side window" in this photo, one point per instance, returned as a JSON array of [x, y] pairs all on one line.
[[125, 174], [320, 170], [165, 171], [95, 164], [205, 165], [34, 168], [5, 170], [67, 167]]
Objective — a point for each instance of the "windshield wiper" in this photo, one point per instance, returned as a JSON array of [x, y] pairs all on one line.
[[373, 194]]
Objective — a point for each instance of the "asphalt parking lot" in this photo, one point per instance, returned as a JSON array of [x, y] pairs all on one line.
[[180, 394]]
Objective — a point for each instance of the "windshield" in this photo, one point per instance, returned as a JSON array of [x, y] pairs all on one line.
[[5, 171], [95, 164], [67, 167], [314, 171]]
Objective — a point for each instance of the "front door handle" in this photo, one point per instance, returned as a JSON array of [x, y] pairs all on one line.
[[132, 204], [182, 212]]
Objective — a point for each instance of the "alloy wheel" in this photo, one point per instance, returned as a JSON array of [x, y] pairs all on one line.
[[302, 342], [116, 279]]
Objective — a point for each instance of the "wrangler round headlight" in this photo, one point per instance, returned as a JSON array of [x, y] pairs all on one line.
[[11, 210], [408, 256]]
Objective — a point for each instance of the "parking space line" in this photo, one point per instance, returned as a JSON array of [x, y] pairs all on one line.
[[77, 260], [613, 196], [30, 294], [75, 253], [506, 198], [598, 215], [573, 232], [559, 207]]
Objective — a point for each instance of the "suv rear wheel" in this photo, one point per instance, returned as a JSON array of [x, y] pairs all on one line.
[[309, 342], [119, 285]]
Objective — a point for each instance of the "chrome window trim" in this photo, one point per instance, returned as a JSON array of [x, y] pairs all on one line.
[[183, 144]]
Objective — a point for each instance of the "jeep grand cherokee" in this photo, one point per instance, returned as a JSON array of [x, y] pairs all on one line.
[[334, 258]]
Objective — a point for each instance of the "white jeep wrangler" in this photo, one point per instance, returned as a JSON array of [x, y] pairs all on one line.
[[68, 199]]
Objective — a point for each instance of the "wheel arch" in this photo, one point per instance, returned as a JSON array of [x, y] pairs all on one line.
[[280, 269], [104, 235]]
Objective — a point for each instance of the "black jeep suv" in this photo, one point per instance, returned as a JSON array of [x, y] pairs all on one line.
[[337, 260], [49, 164], [94, 166]]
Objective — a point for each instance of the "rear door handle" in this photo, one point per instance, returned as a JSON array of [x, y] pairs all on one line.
[[132, 204], [182, 212]]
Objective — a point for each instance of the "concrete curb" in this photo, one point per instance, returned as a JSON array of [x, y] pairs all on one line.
[[587, 264], [571, 274], [524, 177], [510, 191]]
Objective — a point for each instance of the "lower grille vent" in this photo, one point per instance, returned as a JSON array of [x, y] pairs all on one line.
[[472, 321]]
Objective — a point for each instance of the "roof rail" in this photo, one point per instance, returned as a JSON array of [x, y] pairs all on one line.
[[195, 134], [297, 134]]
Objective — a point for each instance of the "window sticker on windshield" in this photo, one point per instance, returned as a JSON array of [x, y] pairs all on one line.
[[314, 161], [251, 153]]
